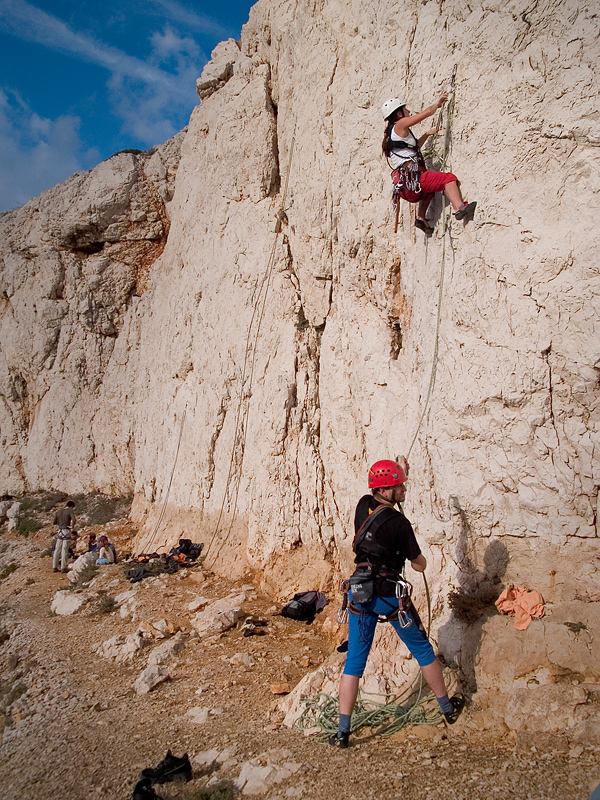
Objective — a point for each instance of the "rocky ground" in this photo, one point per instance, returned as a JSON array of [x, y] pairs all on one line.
[[75, 727]]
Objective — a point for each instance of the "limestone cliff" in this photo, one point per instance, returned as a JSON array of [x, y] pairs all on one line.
[[241, 383]]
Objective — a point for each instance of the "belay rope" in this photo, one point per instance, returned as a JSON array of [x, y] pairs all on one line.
[[259, 300], [321, 711], [443, 159]]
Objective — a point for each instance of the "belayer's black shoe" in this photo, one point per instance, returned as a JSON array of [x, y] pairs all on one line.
[[458, 703], [339, 739], [170, 768], [423, 226], [144, 791], [466, 211]]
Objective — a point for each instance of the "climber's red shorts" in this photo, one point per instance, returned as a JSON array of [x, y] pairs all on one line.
[[430, 182]]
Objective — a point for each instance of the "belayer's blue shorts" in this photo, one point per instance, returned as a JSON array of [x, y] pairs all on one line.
[[361, 629]]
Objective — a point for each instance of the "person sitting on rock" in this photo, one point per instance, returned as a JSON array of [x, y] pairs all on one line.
[[92, 544], [107, 553], [65, 519], [73, 544], [412, 180]]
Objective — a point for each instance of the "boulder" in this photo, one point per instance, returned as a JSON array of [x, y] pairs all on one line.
[[559, 710], [167, 651], [219, 616], [121, 648], [157, 629], [66, 602], [12, 513], [151, 677], [258, 775], [80, 564]]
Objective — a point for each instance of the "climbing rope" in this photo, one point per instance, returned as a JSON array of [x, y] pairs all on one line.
[[259, 300], [443, 160], [321, 712], [163, 508]]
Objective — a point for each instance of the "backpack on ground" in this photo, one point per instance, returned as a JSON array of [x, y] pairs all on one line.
[[304, 606]]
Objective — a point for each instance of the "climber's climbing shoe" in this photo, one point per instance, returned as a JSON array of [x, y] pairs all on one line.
[[466, 211], [422, 225]]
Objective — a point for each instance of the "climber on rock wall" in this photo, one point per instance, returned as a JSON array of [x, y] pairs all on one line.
[[411, 178]]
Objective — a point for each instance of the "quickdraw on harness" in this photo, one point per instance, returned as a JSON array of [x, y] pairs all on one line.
[[362, 581], [405, 178]]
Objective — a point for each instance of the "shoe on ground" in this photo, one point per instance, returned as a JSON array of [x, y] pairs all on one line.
[[55, 569], [339, 739], [144, 791], [170, 768], [458, 703], [466, 211], [422, 225]]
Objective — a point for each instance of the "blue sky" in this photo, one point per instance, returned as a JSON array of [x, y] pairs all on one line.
[[81, 80]]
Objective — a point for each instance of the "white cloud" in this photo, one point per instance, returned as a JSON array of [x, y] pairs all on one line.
[[36, 153], [192, 21], [149, 98]]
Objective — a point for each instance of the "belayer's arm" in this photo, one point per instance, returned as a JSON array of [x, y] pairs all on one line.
[[420, 563]]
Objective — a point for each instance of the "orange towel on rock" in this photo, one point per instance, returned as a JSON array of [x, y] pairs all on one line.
[[523, 604]]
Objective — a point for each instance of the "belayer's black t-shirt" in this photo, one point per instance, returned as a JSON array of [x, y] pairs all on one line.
[[395, 535]]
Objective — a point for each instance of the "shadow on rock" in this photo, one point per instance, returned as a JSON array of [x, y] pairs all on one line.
[[474, 601]]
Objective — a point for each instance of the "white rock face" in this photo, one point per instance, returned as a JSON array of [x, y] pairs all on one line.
[[241, 383], [65, 603], [73, 263]]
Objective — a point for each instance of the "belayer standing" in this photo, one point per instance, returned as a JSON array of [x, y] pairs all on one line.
[[411, 178], [65, 519], [384, 540]]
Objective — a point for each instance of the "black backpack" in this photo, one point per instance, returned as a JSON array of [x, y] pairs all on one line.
[[304, 606]]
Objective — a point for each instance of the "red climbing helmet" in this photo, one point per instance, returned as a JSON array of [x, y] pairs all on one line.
[[384, 474]]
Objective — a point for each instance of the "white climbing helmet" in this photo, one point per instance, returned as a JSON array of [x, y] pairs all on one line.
[[388, 108]]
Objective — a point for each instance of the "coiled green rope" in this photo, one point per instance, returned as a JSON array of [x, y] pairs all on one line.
[[321, 713]]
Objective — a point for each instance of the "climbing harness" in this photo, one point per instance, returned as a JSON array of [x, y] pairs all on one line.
[[362, 582]]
